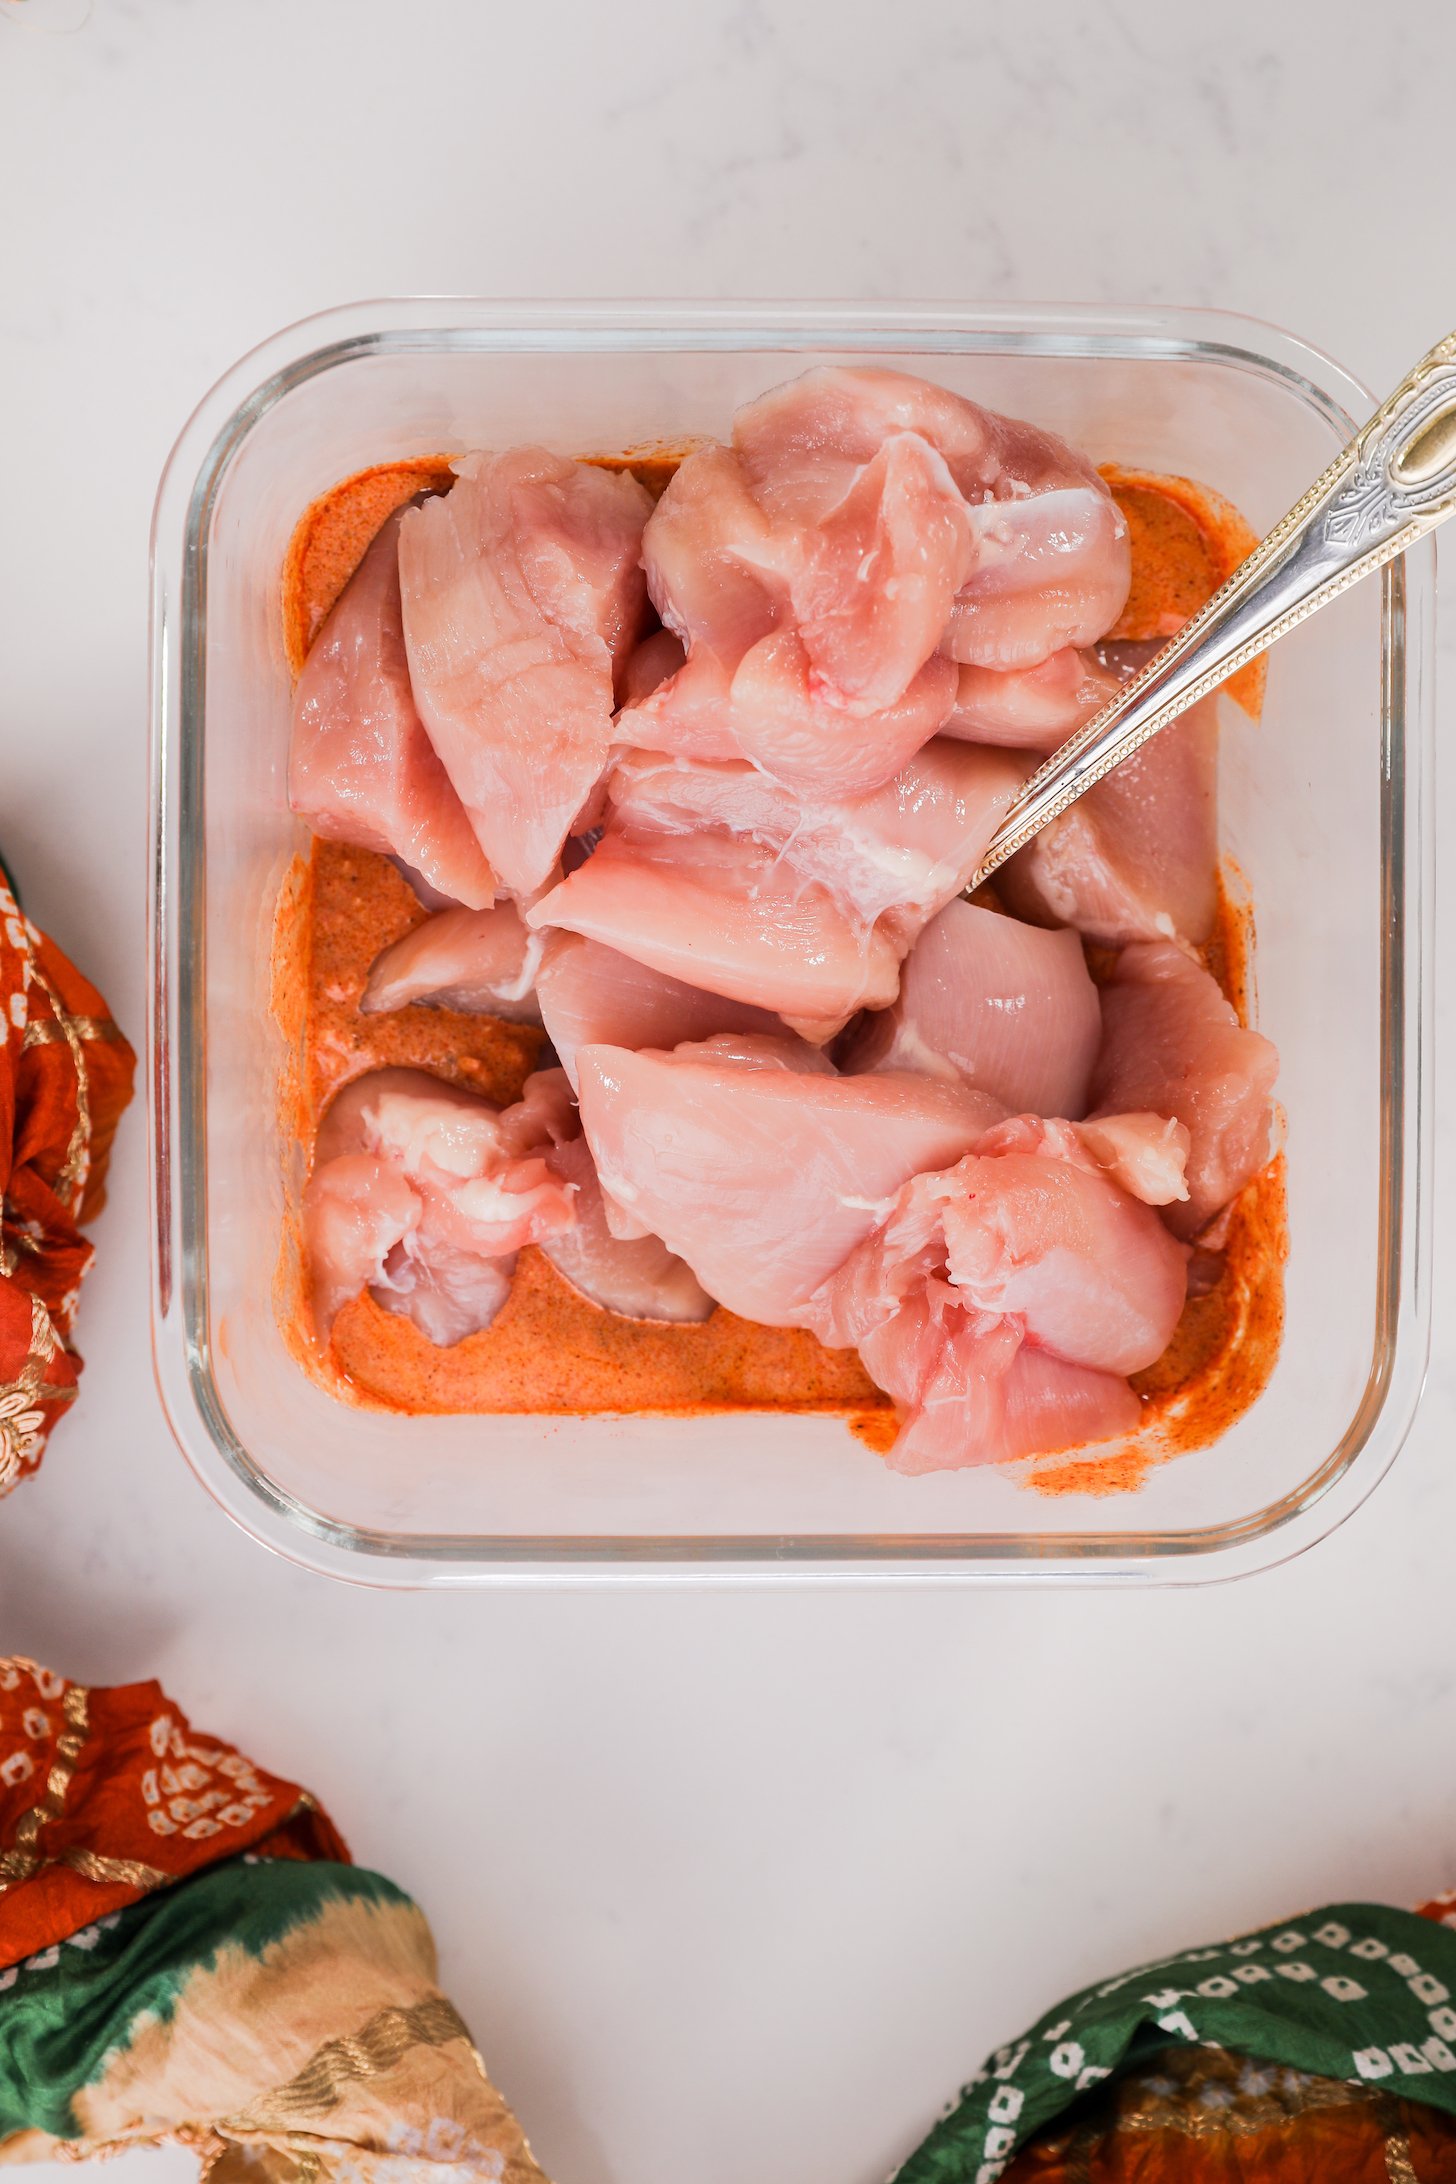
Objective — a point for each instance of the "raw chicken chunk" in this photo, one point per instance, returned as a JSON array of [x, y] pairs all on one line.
[[728, 916], [716, 570], [763, 1179], [1036, 1233], [862, 553], [1136, 858], [482, 961], [361, 768], [1004, 1006], [979, 1395], [863, 525], [802, 440], [880, 575], [1146, 1153], [635, 1277], [1001, 1301], [1049, 571], [1031, 708], [591, 995], [522, 590], [715, 875], [1173, 1045], [1050, 563], [899, 852], [765, 707], [423, 1194]]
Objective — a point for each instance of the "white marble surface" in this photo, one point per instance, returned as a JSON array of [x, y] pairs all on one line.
[[727, 1885]]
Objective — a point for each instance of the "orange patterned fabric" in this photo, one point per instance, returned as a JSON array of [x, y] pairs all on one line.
[[65, 1077], [106, 1795], [1203, 2116]]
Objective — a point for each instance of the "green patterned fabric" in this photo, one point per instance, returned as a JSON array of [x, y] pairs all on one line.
[[68, 2013], [1357, 1991]]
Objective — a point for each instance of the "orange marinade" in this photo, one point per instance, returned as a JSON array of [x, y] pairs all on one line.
[[549, 1350]]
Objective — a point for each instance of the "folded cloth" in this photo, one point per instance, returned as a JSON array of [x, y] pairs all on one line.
[[187, 1954], [65, 1076], [1319, 2049]]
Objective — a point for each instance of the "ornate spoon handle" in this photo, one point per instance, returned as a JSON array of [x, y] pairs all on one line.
[[1395, 481]]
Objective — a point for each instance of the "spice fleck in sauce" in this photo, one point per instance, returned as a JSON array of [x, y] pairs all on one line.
[[549, 1350]]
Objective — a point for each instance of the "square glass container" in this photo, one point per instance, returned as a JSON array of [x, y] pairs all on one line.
[[1325, 809]]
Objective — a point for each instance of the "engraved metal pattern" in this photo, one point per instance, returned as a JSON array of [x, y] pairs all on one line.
[[1394, 482]]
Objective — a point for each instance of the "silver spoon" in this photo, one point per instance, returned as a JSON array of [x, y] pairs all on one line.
[[1394, 482]]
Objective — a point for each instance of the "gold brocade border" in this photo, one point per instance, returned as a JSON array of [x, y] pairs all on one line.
[[1252, 2116], [71, 1181], [44, 1343], [23, 1859], [93, 1865], [378, 2048], [1169, 2097], [42, 1031], [127, 1872], [1400, 2165]]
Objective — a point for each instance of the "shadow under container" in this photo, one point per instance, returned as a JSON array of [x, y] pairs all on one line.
[[1325, 810]]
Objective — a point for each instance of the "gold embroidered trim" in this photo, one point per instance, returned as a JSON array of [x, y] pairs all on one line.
[[18, 1863], [72, 1178], [21, 1418], [91, 1865], [380, 2047], [127, 1872], [1399, 2166], [1252, 2116], [41, 1031], [1258, 2096]]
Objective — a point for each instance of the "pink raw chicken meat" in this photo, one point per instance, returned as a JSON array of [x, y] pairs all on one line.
[[1004, 1006], [1002, 1301], [716, 570], [636, 1278], [863, 523], [1050, 571], [1031, 708], [728, 916], [780, 1049], [766, 708], [594, 996], [648, 666], [863, 554], [1136, 858], [1050, 563], [969, 1390], [762, 1177], [361, 768], [481, 961], [423, 1194], [715, 875], [880, 575], [898, 852], [1144, 1154], [1173, 1044], [522, 592]]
